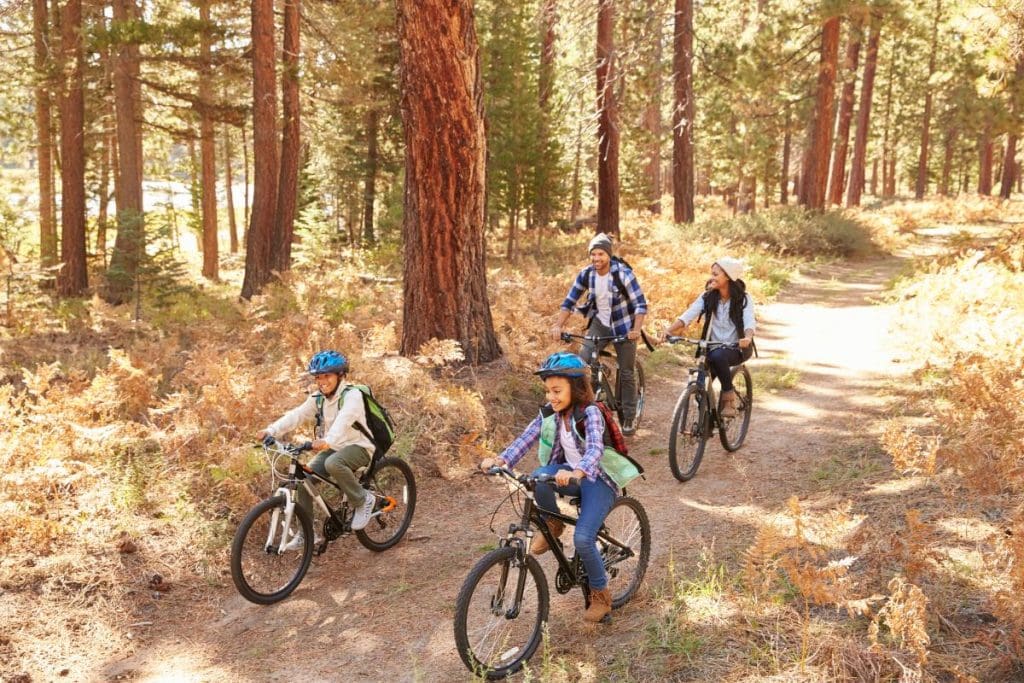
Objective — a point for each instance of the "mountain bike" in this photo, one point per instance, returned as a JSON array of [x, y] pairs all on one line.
[[275, 543], [697, 413], [503, 604], [605, 380]]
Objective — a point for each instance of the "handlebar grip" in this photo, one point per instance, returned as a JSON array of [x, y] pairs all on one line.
[[306, 446], [566, 337], [268, 441]]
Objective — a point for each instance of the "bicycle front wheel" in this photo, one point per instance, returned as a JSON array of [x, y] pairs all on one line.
[[734, 429], [625, 545], [269, 556], [496, 631], [688, 437], [392, 482]]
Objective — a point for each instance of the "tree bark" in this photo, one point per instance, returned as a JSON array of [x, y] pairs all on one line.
[[845, 115], [370, 179], [445, 165], [230, 193], [819, 143], [1016, 85], [683, 114], [288, 184], [44, 135], [787, 147], [652, 113], [607, 122], [542, 207], [207, 150], [72, 279], [246, 213], [260, 236], [922, 161], [860, 143], [985, 158], [949, 145]]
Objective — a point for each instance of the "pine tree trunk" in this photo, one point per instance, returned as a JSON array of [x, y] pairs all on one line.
[[208, 151], [445, 165], [1016, 86], [855, 185], [845, 116], [985, 159], [652, 113], [575, 204], [949, 146], [291, 144], [103, 197], [260, 236], [44, 136], [230, 194], [370, 179], [246, 212], [922, 161], [72, 279], [607, 122], [545, 86], [683, 114], [819, 144], [1009, 166], [787, 148]]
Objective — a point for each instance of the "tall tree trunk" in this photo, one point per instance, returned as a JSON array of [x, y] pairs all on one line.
[[130, 240], [819, 144], [445, 165], [72, 279], [985, 158], [607, 122], [103, 196], [246, 212], [845, 115], [926, 124], [576, 202], [860, 141], [682, 114], [230, 193], [652, 112], [370, 179], [787, 147], [1016, 87], [1009, 166], [949, 146], [545, 86], [44, 136], [260, 236], [207, 150], [288, 185]]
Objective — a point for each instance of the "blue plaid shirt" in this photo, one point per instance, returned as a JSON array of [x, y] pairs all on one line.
[[622, 321], [592, 450]]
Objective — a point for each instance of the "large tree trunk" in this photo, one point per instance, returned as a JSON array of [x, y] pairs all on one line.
[[787, 146], [445, 165], [288, 184], [44, 136], [130, 240], [845, 115], [370, 179], [246, 212], [576, 201], [545, 86], [652, 112], [682, 114], [72, 279], [819, 144], [103, 197], [949, 145], [985, 159], [1010, 157], [207, 150], [926, 124], [607, 122], [860, 142], [230, 193], [260, 236]]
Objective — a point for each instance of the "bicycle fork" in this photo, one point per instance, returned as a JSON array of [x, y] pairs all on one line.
[[286, 523]]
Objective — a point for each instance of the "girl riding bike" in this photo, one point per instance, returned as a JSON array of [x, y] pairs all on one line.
[[567, 454]]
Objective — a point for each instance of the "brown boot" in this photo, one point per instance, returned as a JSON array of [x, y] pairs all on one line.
[[539, 546], [600, 605], [729, 404]]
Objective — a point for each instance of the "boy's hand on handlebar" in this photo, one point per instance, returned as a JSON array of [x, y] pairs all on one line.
[[633, 334], [562, 477], [320, 445]]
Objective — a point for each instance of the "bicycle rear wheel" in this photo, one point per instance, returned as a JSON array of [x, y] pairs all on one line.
[[734, 429], [495, 634], [391, 478], [262, 572], [688, 437], [626, 564]]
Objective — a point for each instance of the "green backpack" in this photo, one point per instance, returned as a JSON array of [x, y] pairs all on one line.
[[380, 429]]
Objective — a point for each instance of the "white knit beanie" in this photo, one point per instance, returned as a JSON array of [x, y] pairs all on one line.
[[733, 267]]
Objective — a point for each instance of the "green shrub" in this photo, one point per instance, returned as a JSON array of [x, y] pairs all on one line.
[[787, 231]]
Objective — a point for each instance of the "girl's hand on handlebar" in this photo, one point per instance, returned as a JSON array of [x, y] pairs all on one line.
[[488, 463], [556, 332], [562, 477], [745, 342]]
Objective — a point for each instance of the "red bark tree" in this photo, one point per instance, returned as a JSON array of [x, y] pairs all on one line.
[[607, 122], [682, 114], [819, 143], [860, 143], [72, 279], [291, 143]]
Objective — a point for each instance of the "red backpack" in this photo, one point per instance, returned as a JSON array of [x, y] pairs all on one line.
[[612, 433]]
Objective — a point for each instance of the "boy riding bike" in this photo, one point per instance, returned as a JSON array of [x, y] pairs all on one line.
[[342, 440], [616, 307]]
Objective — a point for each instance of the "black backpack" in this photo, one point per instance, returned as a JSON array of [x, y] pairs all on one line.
[[380, 428]]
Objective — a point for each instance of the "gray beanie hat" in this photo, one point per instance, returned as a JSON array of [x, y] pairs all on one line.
[[601, 241]]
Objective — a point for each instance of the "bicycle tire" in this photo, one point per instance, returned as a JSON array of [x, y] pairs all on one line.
[[734, 429], [627, 523], [255, 563], [688, 436], [390, 477], [483, 629]]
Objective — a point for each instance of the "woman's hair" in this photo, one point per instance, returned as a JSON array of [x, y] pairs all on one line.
[[580, 391]]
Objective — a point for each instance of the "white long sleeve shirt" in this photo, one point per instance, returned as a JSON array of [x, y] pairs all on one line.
[[722, 327], [341, 420]]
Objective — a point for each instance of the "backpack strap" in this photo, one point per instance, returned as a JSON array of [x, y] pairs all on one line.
[[359, 426]]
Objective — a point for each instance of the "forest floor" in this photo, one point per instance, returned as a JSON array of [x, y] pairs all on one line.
[[360, 616]]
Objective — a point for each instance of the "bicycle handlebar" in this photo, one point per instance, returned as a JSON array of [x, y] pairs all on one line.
[[528, 481], [568, 337], [702, 343]]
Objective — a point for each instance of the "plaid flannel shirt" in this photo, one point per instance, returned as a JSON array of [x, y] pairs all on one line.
[[592, 449], [621, 320]]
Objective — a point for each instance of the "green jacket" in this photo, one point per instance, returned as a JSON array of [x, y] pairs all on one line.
[[619, 468]]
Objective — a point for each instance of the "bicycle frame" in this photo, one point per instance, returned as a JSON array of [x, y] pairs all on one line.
[[703, 373], [598, 376]]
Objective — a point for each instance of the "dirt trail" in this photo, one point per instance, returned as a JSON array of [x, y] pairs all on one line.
[[361, 616]]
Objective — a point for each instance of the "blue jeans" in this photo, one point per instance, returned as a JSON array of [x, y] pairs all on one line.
[[596, 499], [721, 360]]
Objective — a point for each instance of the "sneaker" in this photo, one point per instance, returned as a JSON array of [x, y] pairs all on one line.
[[299, 539], [629, 426], [729, 404], [362, 515]]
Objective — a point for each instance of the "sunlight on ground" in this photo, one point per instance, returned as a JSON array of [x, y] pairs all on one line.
[[897, 486]]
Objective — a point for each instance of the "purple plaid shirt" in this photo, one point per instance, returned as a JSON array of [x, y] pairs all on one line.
[[592, 449]]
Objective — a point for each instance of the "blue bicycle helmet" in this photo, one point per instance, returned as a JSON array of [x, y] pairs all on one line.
[[328, 361], [562, 364]]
